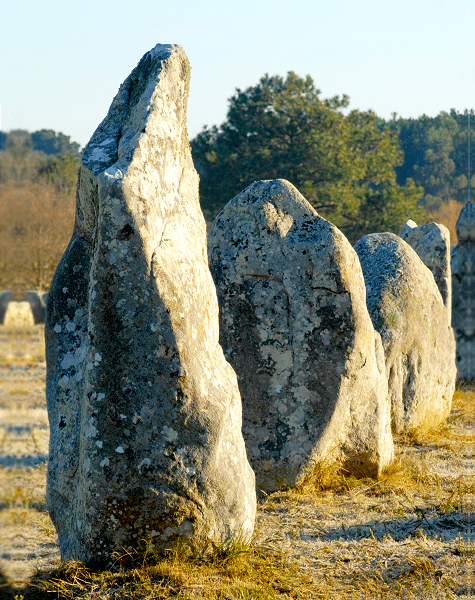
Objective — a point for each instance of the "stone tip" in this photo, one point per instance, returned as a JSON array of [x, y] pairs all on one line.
[[408, 227], [273, 186], [279, 192], [112, 144], [465, 226]]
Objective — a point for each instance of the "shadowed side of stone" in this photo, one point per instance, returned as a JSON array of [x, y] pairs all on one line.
[[295, 327], [432, 244], [37, 301], [5, 297], [407, 310], [463, 281], [144, 411]]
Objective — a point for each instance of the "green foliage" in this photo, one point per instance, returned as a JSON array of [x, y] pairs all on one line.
[[50, 142], [386, 208], [436, 156], [342, 164], [61, 172]]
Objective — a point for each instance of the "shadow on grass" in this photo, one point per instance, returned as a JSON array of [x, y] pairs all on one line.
[[448, 526], [13, 461], [7, 592]]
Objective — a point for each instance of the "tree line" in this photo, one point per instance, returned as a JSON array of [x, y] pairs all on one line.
[[38, 174], [436, 156], [359, 171]]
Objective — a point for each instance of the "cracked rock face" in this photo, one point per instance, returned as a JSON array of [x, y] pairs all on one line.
[[406, 308], [432, 244], [144, 410], [463, 282], [295, 327]]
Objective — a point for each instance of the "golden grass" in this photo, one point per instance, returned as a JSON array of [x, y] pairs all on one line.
[[409, 491], [21, 345], [232, 570], [322, 539]]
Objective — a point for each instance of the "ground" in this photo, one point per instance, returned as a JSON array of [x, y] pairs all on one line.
[[407, 535]]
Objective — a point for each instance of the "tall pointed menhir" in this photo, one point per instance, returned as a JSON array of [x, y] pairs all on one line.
[[144, 410]]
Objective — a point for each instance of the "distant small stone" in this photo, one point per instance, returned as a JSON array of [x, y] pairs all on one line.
[[18, 314], [5, 297], [465, 226], [38, 300], [432, 244], [463, 282]]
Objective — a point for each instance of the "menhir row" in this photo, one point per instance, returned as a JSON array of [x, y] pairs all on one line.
[[330, 343], [144, 409]]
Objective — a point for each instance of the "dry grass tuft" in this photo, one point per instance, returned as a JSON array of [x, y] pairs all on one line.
[[233, 570], [325, 476], [411, 514]]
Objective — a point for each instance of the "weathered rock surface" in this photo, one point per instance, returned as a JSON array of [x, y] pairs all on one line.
[[5, 297], [37, 300], [295, 327], [144, 410], [432, 244], [463, 281], [406, 308]]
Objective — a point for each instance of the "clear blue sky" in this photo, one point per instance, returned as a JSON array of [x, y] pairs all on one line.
[[62, 62]]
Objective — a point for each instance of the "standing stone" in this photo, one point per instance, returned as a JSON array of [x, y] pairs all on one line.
[[432, 244], [463, 281], [18, 315], [5, 297], [406, 308], [295, 327], [37, 300], [144, 410]]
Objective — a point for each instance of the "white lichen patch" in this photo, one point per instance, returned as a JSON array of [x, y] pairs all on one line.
[[90, 431], [73, 359], [170, 434]]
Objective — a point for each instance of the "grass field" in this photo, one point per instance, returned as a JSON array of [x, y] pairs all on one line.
[[407, 535]]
